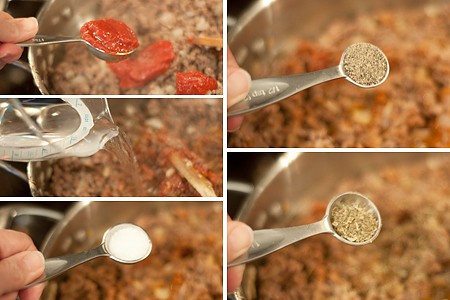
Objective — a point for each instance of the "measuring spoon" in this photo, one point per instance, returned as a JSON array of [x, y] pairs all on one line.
[[267, 91], [43, 40], [125, 243], [267, 241]]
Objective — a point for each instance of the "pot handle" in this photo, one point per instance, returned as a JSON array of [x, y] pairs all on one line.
[[22, 65], [9, 212]]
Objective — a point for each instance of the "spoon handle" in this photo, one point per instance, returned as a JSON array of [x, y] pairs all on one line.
[[57, 265], [267, 91], [267, 241], [42, 40]]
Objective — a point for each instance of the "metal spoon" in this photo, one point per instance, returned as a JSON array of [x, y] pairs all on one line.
[[43, 40], [266, 91], [270, 240], [57, 265]]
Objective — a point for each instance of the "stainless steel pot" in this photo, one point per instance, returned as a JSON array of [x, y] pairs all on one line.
[[83, 225], [284, 190], [39, 173], [57, 18], [269, 28]]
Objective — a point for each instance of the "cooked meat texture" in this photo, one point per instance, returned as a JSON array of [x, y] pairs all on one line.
[[191, 127], [185, 262], [80, 73], [411, 109], [409, 259]]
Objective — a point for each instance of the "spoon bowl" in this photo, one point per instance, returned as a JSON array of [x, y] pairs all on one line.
[[361, 205]]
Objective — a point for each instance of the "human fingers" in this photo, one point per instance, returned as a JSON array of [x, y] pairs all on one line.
[[239, 82], [14, 242], [17, 30], [32, 293], [5, 16], [20, 269], [240, 238], [9, 53], [9, 296]]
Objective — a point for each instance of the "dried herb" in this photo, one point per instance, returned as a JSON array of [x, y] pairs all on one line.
[[353, 220], [365, 64]]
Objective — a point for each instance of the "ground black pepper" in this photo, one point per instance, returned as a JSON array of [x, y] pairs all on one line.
[[365, 64]]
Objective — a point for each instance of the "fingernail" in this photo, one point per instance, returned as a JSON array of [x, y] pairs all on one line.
[[241, 238], [26, 24], [34, 262], [234, 123], [238, 86]]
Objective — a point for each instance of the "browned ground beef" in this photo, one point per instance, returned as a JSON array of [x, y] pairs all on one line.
[[411, 109], [173, 20], [190, 127], [410, 259], [185, 262]]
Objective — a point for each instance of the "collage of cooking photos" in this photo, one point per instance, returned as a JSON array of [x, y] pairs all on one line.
[[225, 150]]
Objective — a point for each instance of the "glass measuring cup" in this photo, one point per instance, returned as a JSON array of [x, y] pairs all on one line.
[[40, 129]]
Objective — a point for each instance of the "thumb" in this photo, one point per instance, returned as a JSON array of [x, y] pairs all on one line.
[[240, 238], [20, 269], [238, 81], [17, 30]]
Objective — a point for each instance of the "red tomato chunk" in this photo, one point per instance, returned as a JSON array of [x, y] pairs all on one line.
[[109, 35], [150, 63], [194, 83]]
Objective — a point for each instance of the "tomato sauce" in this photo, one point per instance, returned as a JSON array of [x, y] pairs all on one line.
[[109, 35], [194, 83], [151, 62]]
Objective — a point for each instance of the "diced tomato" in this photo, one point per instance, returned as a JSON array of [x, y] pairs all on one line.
[[194, 83], [150, 63]]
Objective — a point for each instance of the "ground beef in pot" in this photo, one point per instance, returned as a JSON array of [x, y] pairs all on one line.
[[409, 259], [81, 73], [190, 127], [411, 109], [185, 262]]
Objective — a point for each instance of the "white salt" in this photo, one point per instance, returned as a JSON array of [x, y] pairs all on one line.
[[128, 243]]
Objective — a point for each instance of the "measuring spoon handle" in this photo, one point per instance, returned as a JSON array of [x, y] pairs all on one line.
[[267, 241], [57, 265], [41, 40], [266, 91]]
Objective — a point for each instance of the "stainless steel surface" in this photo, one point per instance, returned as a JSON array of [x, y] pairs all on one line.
[[58, 265], [39, 172], [84, 224], [271, 28], [30, 218], [45, 40], [9, 213], [285, 190], [267, 91], [63, 18], [267, 241]]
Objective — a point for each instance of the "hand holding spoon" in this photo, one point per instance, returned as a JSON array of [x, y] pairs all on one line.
[[125, 243], [43, 40], [108, 39], [362, 64], [350, 217]]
